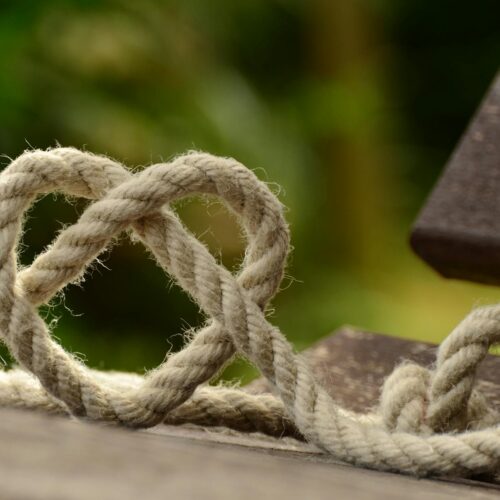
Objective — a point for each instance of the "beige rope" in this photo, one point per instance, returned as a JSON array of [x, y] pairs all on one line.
[[428, 421]]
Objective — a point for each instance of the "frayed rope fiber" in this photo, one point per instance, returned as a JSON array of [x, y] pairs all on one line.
[[428, 421]]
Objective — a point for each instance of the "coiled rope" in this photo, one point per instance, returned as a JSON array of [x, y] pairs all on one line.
[[428, 422]]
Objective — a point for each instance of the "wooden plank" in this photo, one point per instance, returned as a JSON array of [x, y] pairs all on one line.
[[52, 458], [458, 229], [45, 457], [353, 364]]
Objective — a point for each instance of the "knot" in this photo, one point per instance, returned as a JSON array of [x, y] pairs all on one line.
[[424, 401]]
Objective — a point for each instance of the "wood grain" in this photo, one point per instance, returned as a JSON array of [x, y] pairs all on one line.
[[458, 229]]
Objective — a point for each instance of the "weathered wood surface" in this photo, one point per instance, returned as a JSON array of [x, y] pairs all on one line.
[[51, 458], [54, 458], [352, 366], [458, 229]]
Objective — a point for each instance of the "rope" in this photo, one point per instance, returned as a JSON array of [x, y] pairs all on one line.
[[428, 422]]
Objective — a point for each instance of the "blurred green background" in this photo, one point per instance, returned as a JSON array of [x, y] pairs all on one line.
[[351, 106]]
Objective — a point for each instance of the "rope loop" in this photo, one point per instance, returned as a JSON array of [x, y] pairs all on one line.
[[430, 420], [416, 399], [138, 202]]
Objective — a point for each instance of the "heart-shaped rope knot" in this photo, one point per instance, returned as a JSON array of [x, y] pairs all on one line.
[[424, 421], [139, 202]]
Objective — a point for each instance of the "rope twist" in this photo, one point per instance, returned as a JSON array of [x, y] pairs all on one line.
[[429, 421]]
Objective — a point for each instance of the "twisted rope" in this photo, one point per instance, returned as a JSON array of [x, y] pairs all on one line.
[[428, 422]]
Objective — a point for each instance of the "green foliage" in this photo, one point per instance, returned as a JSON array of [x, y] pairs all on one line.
[[351, 107]]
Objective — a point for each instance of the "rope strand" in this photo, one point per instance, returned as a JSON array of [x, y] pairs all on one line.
[[429, 421]]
